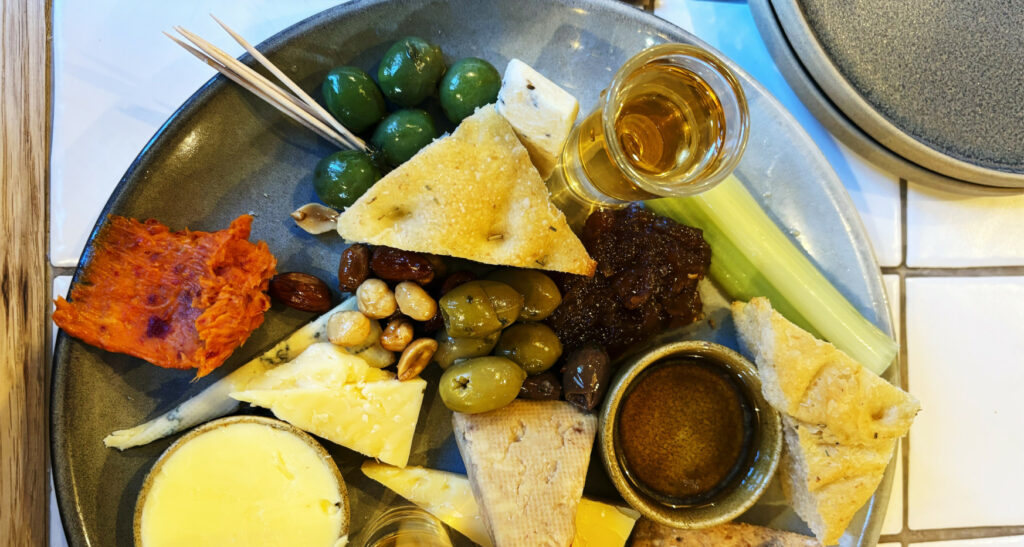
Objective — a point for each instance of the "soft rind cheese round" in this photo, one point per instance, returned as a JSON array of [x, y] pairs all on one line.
[[243, 480]]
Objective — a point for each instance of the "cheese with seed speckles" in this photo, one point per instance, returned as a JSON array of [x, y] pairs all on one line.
[[527, 463], [320, 365], [541, 112]]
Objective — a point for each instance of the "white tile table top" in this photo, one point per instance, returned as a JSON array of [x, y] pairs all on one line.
[[947, 230], [965, 342], [1008, 541], [116, 79], [893, 522]]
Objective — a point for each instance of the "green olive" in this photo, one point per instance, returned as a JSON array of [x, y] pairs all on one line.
[[469, 84], [353, 98], [481, 384], [540, 294], [533, 346], [451, 349], [339, 179], [410, 70], [478, 308], [402, 134]]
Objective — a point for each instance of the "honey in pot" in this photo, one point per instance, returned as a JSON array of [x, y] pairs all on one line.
[[686, 432]]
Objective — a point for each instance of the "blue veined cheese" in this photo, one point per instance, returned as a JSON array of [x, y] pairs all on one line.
[[541, 112]]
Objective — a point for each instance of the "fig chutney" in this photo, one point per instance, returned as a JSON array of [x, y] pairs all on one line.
[[686, 431]]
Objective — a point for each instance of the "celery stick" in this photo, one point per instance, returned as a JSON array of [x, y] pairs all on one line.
[[752, 257]]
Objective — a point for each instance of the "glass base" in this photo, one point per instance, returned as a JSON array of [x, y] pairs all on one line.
[[576, 198]]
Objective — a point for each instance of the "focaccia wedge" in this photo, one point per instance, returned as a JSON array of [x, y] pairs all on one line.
[[473, 194]]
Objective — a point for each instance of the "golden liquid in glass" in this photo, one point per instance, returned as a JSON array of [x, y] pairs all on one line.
[[670, 127]]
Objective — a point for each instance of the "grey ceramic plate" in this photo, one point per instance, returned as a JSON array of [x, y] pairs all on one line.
[[225, 153], [838, 124], [940, 87]]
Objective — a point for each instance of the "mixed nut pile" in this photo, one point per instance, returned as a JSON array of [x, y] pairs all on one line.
[[487, 334]]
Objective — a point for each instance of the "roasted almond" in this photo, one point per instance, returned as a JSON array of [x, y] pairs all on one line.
[[301, 291]]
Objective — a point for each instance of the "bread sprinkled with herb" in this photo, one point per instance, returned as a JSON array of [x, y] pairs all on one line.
[[475, 195], [732, 534], [841, 422]]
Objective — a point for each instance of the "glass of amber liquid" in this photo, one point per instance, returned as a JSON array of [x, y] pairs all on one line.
[[673, 122], [406, 526]]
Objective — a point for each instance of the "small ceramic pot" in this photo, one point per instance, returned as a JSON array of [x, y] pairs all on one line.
[[749, 483]]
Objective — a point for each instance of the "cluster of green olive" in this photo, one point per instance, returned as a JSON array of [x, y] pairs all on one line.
[[492, 338], [411, 71]]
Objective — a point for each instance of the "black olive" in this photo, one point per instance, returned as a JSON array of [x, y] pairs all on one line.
[[585, 376], [541, 387]]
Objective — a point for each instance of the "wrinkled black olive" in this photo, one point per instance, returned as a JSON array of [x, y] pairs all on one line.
[[585, 376], [541, 387]]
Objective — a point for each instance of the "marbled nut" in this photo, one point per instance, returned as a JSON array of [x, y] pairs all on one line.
[[375, 299], [348, 328], [397, 334], [415, 358]]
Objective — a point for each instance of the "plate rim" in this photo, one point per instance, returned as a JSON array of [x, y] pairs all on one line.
[[62, 481], [840, 126], [836, 86]]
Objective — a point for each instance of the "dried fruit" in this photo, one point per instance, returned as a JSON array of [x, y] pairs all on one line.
[[392, 264], [354, 267], [301, 291], [456, 279], [415, 358]]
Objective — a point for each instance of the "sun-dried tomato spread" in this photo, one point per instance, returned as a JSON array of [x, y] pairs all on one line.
[[176, 299], [648, 268]]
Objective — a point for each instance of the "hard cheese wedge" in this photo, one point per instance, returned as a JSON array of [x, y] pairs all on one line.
[[445, 495], [473, 195], [321, 365], [527, 463], [376, 418], [541, 113], [449, 497]]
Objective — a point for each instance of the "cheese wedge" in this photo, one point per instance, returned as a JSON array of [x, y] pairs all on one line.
[[527, 463], [445, 495], [449, 497], [473, 195], [841, 422], [541, 113], [603, 525], [377, 419], [321, 365]]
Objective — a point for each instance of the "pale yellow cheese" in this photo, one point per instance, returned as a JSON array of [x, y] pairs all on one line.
[[377, 419], [449, 497], [445, 495], [603, 525], [320, 365], [541, 113], [244, 484]]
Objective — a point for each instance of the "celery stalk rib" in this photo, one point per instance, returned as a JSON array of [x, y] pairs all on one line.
[[752, 257]]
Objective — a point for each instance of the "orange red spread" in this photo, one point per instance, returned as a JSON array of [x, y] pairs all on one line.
[[176, 299]]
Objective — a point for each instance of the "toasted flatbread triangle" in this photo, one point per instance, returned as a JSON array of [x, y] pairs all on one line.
[[841, 421], [473, 195], [526, 464], [816, 383], [731, 534]]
